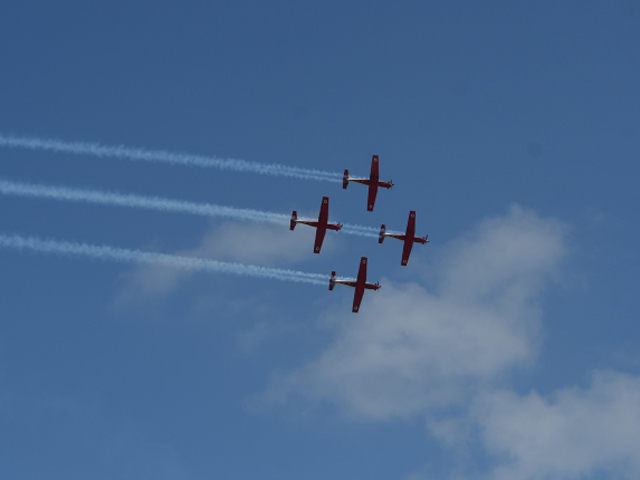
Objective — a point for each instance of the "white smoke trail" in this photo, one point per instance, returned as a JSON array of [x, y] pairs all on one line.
[[156, 203], [138, 154], [363, 231], [360, 230], [106, 253], [137, 201]]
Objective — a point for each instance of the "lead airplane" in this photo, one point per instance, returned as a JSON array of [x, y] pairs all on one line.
[[409, 237], [373, 182], [321, 226], [360, 284]]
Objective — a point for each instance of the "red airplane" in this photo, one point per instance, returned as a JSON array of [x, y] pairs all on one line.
[[360, 284], [409, 237], [373, 181], [321, 225]]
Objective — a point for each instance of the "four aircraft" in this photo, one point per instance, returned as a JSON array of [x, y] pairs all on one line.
[[322, 225]]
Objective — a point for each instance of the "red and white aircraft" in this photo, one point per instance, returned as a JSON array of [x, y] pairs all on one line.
[[409, 237], [360, 284], [321, 225], [373, 181]]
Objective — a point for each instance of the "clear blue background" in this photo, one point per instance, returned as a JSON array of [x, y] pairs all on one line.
[[472, 107]]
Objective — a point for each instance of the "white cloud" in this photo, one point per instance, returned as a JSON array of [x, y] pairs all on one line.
[[248, 243], [410, 350], [573, 434], [504, 257]]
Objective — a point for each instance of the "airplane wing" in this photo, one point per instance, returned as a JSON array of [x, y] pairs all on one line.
[[362, 271], [409, 238], [373, 183], [357, 298], [321, 228], [373, 191], [411, 224], [323, 218], [360, 285], [406, 251], [320, 233], [375, 168]]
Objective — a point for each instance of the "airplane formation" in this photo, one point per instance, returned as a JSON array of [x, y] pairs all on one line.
[[322, 225], [110, 198]]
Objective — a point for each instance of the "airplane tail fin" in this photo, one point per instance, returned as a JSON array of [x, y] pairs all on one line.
[[382, 230], [332, 281], [294, 218], [345, 179]]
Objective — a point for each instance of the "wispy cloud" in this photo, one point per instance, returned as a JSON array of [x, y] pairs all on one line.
[[574, 433], [410, 350], [263, 245], [446, 354]]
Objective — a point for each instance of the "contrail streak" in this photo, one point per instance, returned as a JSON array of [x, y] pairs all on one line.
[[137, 201], [60, 193], [360, 230], [106, 253], [162, 156]]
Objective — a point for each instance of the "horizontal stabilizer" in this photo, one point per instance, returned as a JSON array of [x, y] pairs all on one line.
[[332, 281], [382, 230], [294, 220], [345, 179]]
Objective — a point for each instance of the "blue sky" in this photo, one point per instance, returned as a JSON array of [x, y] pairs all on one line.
[[506, 349]]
